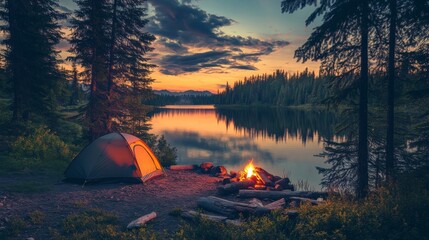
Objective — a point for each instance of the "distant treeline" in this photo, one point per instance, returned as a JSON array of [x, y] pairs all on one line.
[[162, 100], [278, 89]]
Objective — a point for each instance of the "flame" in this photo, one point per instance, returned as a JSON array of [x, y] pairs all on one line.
[[249, 169]]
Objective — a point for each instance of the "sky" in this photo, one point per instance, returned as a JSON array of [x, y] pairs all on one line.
[[203, 44]]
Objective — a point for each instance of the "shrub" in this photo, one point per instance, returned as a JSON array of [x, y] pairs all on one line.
[[41, 149], [165, 152]]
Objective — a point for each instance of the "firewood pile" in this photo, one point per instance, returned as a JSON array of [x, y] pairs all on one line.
[[266, 191], [205, 168]]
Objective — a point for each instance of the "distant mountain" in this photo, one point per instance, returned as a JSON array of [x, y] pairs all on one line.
[[185, 93]]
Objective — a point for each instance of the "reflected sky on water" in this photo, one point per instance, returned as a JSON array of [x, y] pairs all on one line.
[[282, 141]]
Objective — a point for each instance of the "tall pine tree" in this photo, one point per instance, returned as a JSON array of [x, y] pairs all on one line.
[[110, 43], [31, 33]]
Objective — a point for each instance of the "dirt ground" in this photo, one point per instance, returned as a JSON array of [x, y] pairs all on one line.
[[179, 189]]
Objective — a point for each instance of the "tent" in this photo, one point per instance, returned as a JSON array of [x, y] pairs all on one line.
[[115, 156]]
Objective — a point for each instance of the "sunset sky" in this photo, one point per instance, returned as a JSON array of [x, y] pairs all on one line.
[[202, 44]]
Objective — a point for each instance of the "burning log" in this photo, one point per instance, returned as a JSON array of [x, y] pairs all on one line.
[[229, 208], [234, 187], [139, 222], [182, 167], [263, 176], [275, 195]]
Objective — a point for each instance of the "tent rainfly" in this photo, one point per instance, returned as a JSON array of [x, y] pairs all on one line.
[[115, 156]]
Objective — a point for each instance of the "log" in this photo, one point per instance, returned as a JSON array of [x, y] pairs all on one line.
[[279, 204], [234, 187], [276, 195], [255, 201], [264, 178], [229, 208], [301, 199], [139, 222], [261, 170], [193, 215], [182, 167]]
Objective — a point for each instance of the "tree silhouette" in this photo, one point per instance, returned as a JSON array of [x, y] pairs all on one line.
[[32, 31], [110, 43], [341, 44]]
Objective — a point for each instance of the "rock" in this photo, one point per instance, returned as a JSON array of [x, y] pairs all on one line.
[[226, 180], [218, 171], [206, 165], [284, 182], [30, 238]]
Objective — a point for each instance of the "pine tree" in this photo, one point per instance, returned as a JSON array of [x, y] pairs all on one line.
[[32, 31], [128, 67], [341, 44], [110, 43], [90, 39]]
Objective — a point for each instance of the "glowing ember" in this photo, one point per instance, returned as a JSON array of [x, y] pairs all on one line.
[[249, 169]]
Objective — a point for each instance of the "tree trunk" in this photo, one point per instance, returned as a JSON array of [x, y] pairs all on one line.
[[390, 145], [17, 106], [362, 175], [110, 71]]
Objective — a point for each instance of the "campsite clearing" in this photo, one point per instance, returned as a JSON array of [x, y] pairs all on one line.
[[177, 190]]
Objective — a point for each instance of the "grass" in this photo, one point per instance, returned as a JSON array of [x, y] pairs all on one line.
[[98, 224], [26, 187], [402, 212]]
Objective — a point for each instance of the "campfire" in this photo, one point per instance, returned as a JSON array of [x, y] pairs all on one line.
[[250, 182], [255, 178]]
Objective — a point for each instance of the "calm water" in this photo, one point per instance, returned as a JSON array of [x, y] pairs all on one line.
[[281, 141]]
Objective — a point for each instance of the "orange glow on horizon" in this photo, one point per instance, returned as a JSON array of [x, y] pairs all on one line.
[[281, 59]]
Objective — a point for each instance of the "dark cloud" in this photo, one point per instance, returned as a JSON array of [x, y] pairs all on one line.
[[178, 64], [244, 67], [181, 26]]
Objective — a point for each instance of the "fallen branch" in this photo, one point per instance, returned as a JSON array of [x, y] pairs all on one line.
[[139, 222]]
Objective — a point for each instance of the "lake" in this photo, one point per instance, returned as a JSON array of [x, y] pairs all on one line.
[[282, 141]]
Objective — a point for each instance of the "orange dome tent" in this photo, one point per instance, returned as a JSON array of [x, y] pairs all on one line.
[[115, 156]]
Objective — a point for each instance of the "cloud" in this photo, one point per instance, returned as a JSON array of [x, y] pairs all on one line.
[[187, 32], [244, 67]]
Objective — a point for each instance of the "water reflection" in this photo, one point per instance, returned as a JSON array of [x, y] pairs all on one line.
[[282, 141]]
